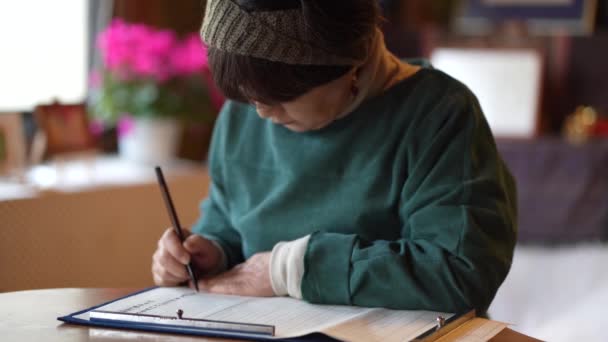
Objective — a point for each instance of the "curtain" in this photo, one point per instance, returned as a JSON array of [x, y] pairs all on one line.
[[100, 14]]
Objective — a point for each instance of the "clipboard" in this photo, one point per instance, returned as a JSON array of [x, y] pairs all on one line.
[[219, 333], [183, 325]]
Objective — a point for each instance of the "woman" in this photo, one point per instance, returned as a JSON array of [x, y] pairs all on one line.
[[340, 174]]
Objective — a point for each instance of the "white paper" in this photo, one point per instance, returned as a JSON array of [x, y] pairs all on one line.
[[291, 317]]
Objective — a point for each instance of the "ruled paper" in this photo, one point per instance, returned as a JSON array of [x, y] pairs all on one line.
[[291, 317]]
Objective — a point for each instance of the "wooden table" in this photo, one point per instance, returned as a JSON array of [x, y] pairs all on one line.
[[32, 316]]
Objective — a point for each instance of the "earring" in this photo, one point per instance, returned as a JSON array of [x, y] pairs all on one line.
[[354, 88]]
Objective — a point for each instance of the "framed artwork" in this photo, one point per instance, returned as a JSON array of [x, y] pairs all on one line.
[[12, 143], [540, 16], [507, 83], [66, 128]]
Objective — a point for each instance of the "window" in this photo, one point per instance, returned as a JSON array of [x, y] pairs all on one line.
[[43, 52]]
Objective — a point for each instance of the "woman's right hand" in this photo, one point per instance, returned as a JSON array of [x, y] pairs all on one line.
[[171, 255]]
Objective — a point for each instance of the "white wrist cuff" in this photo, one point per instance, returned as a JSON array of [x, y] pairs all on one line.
[[287, 267]]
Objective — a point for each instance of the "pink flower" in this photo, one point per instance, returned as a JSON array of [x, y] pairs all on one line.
[[189, 56], [135, 54], [113, 42], [96, 127], [217, 98], [125, 125], [95, 79], [136, 50]]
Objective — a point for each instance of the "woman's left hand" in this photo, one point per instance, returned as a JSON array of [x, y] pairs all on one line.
[[251, 278]]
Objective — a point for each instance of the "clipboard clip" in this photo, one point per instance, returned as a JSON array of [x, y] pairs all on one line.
[[180, 321], [444, 326], [440, 322]]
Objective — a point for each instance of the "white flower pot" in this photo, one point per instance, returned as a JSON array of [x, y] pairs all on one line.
[[150, 141]]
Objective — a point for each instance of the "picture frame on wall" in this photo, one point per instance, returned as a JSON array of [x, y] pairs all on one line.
[[66, 128], [507, 83], [575, 17], [12, 144]]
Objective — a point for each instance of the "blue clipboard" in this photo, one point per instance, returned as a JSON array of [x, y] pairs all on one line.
[[168, 329]]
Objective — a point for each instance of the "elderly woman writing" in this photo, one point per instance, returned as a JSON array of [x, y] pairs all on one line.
[[341, 174]]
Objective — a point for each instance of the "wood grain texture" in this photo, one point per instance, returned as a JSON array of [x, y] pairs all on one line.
[[95, 238]]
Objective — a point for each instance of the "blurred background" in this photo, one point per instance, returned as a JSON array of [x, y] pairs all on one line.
[[95, 92]]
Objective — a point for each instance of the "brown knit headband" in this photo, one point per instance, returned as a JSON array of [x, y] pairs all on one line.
[[279, 36]]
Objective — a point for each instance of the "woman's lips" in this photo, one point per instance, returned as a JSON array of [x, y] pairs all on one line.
[[282, 122]]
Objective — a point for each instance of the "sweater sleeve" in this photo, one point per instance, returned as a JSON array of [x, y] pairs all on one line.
[[457, 234], [214, 222]]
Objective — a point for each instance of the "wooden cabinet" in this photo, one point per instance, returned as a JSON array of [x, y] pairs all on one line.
[[96, 237]]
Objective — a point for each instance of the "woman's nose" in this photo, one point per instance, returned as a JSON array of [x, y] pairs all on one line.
[[263, 113]]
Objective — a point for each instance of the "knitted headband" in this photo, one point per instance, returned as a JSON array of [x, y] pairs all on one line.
[[279, 36]]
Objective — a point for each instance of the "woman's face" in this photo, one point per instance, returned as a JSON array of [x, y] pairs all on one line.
[[314, 110]]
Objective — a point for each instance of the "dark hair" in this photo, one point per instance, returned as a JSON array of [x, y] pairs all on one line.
[[341, 27]]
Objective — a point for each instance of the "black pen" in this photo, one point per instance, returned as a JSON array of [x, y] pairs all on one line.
[[174, 220]]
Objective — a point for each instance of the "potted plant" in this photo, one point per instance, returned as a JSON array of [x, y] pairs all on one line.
[[151, 83]]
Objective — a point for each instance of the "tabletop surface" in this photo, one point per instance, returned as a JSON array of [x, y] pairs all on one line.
[[32, 316]]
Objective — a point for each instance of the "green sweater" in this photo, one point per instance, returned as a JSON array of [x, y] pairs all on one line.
[[407, 200]]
